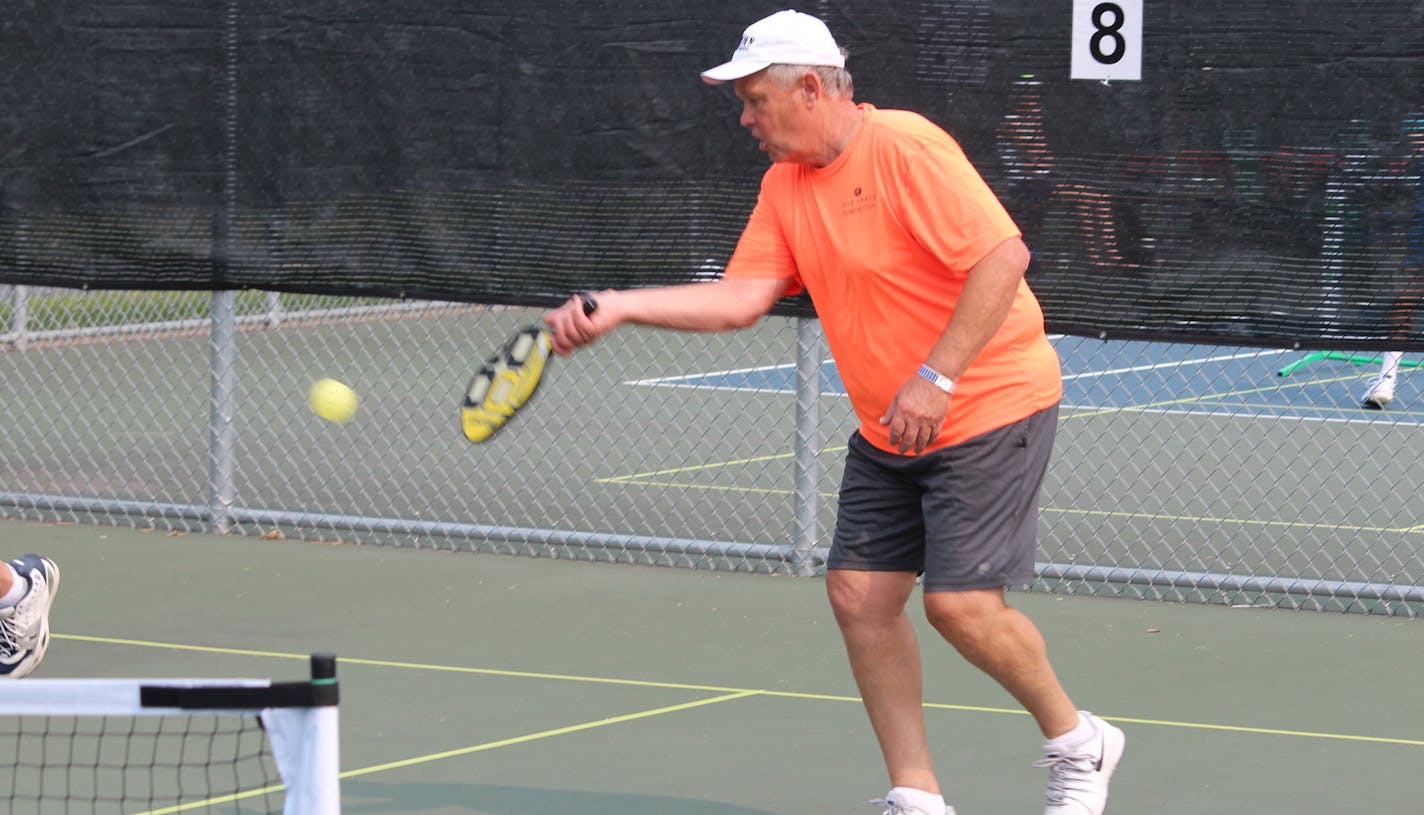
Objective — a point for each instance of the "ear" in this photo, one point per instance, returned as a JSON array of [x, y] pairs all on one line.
[[810, 88]]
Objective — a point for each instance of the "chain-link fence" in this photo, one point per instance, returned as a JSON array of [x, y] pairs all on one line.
[[1191, 473]]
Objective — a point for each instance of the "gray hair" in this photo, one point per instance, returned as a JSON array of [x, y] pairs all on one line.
[[837, 81]]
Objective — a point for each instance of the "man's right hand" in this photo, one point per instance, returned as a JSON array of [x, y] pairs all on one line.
[[578, 322]]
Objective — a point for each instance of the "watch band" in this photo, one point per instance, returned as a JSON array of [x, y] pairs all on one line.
[[937, 379]]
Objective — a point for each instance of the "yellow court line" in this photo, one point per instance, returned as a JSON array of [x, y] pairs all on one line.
[[650, 478], [1226, 728], [726, 694], [641, 478], [1102, 513], [1187, 400], [544, 734], [1146, 516], [462, 751], [212, 802], [383, 663], [1267, 731], [177, 646]]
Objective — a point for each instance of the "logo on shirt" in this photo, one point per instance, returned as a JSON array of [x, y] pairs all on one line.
[[860, 201]]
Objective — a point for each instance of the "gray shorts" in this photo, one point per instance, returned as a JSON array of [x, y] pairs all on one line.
[[966, 516]]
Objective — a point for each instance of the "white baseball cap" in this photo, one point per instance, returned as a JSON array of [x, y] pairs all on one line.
[[785, 38]]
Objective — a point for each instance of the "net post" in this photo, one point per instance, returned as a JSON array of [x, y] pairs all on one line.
[[323, 668], [306, 745]]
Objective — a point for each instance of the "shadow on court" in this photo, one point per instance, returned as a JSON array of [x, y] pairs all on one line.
[[509, 686]]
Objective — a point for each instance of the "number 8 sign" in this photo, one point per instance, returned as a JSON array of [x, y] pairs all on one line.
[[1107, 39]]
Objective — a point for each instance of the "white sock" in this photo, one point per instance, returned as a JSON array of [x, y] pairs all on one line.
[[1077, 737], [18, 589], [1391, 364], [931, 803]]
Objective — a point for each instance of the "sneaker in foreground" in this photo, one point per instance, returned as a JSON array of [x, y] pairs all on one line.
[[897, 804], [1078, 781], [24, 627], [1378, 393]]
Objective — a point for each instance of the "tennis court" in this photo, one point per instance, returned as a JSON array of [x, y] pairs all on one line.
[[1226, 179], [1095, 380], [509, 686], [1185, 459], [1161, 446]]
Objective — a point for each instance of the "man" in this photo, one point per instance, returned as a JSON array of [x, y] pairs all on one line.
[[917, 273], [27, 588]]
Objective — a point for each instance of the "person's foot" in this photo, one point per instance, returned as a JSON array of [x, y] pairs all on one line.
[[24, 627], [1378, 393], [898, 801], [1078, 779]]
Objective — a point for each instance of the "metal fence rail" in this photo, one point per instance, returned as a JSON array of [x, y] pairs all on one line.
[[1189, 473]]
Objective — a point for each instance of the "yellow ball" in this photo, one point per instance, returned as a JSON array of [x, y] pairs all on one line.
[[332, 400]]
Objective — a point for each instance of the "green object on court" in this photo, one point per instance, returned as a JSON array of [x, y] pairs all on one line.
[[1340, 356]]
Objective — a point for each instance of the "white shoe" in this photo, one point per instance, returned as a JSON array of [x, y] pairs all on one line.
[[1078, 781], [24, 627], [895, 805], [1378, 393]]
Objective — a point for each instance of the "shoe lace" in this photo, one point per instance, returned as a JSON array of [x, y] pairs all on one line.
[[892, 808], [18, 624], [1068, 773], [10, 632]]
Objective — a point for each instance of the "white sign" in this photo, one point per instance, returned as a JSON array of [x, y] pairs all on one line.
[[1107, 40]]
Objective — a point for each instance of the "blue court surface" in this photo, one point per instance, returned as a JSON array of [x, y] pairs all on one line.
[[1131, 375]]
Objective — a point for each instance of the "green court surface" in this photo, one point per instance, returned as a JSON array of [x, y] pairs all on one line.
[[489, 684]]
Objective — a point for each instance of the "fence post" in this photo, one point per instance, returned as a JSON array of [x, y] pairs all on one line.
[[222, 491], [807, 529], [273, 309], [19, 316], [19, 299]]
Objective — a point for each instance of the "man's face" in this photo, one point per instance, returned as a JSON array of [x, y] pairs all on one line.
[[776, 116]]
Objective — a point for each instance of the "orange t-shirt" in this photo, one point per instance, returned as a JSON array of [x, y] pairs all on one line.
[[883, 238]]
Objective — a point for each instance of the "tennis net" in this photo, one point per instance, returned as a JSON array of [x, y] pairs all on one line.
[[151, 747]]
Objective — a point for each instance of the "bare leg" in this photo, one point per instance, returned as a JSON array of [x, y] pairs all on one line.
[[885, 659], [1003, 643]]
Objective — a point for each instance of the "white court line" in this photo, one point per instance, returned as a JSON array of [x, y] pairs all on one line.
[[1177, 364], [691, 380], [673, 381], [663, 383]]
